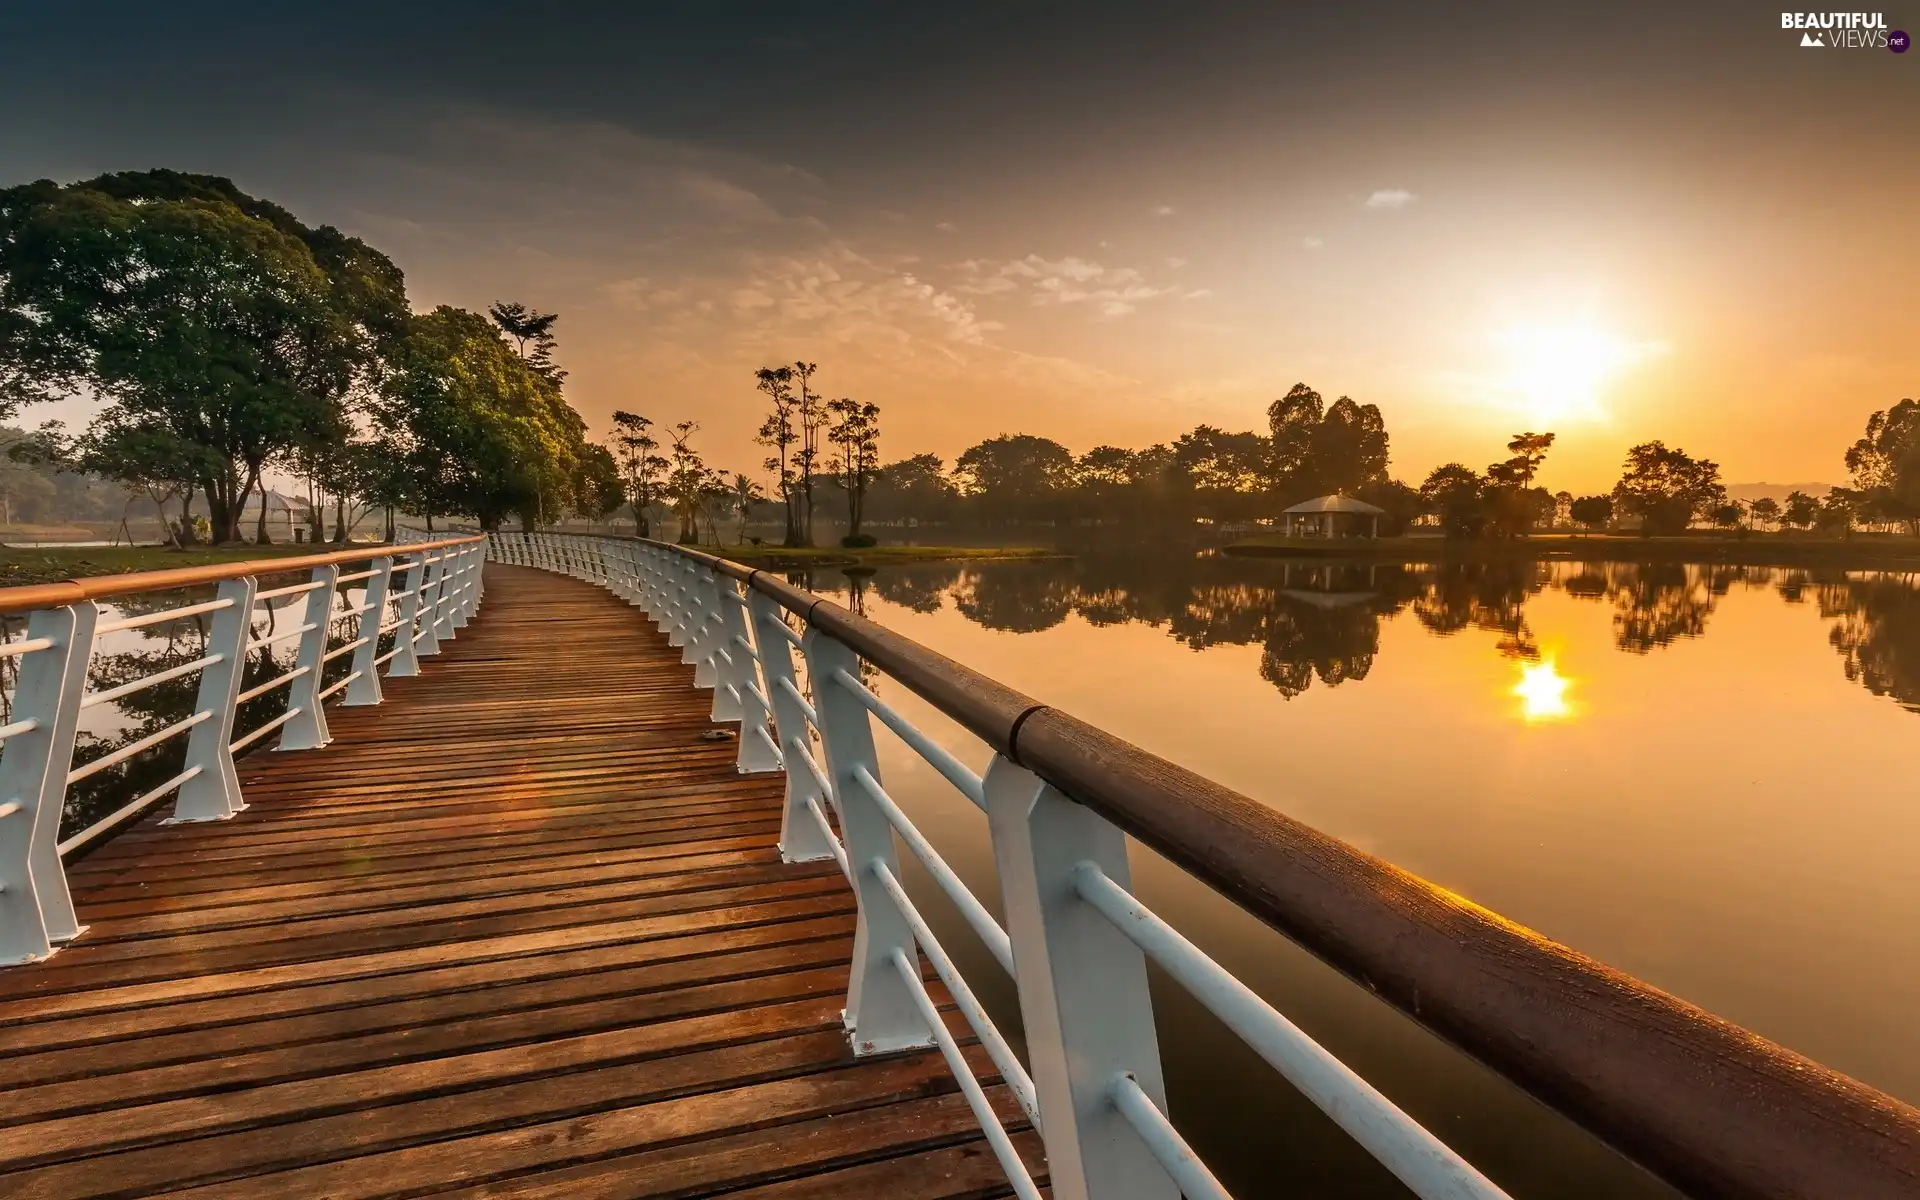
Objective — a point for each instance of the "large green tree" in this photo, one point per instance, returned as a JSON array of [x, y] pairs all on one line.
[[1341, 448], [1885, 465], [1667, 488], [480, 431], [198, 312], [1015, 477]]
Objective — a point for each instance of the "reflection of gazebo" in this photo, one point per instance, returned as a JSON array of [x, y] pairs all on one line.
[[1332, 516], [1327, 586]]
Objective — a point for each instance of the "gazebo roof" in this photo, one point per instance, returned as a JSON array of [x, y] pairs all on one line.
[[1337, 504]]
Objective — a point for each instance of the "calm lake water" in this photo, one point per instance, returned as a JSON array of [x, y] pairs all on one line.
[[1702, 776]]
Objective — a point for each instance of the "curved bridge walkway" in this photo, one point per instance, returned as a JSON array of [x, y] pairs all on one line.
[[519, 931]]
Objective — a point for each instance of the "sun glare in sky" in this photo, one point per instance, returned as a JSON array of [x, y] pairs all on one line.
[[1543, 692], [1557, 373]]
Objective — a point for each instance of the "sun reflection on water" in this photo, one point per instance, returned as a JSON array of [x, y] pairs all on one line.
[[1543, 692]]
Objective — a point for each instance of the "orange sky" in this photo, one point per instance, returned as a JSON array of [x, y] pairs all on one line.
[[1110, 230]]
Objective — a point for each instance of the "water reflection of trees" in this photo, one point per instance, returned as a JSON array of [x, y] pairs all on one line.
[[1877, 632], [1321, 621]]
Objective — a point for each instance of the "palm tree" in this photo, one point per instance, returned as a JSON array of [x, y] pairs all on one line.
[[745, 492]]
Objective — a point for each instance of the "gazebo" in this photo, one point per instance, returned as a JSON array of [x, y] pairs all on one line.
[[1332, 516]]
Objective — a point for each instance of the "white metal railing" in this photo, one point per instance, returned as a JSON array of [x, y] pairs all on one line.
[[1076, 940], [439, 589]]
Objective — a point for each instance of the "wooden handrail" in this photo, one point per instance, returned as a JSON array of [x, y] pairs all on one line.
[[103, 587], [1706, 1105]]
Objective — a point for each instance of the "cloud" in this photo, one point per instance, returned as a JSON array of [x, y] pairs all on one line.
[[946, 227], [1176, 263], [1391, 198], [1164, 210], [1111, 291], [1311, 243]]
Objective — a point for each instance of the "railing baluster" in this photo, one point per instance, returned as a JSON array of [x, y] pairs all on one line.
[[213, 793], [1082, 985], [405, 661], [365, 688], [36, 909], [447, 596], [308, 729], [703, 643], [882, 1013], [756, 751], [800, 838], [426, 639]]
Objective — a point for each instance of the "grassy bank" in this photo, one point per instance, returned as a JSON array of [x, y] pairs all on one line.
[[20, 566], [781, 557], [1786, 550]]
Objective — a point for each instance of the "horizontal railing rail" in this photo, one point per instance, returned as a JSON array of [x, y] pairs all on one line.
[[1708, 1106], [62, 640]]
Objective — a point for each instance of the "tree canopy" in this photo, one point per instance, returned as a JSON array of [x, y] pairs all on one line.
[[1667, 488], [482, 432], [201, 314]]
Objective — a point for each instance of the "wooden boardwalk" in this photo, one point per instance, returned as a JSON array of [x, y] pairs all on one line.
[[519, 931]]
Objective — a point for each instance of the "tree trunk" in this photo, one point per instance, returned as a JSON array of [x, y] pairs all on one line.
[[260, 534], [340, 520], [390, 528]]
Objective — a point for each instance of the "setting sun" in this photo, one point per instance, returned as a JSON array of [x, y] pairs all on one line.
[[1557, 372], [1543, 692]]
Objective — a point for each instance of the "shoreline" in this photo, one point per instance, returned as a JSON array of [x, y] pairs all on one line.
[[1868, 551]]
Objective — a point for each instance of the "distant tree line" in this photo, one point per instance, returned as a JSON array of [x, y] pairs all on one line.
[[228, 339], [829, 450]]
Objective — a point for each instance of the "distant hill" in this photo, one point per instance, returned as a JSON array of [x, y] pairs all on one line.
[[1777, 491]]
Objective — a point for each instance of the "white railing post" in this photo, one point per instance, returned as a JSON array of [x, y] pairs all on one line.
[[676, 626], [308, 730], [882, 1013], [463, 595], [758, 741], [626, 555], [801, 839], [654, 586], [703, 641], [428, 640], [476, 586], [213, 793], [405, 662], [365, 688], [447, 597], [1082, 985], [36, 909], [732, 654]]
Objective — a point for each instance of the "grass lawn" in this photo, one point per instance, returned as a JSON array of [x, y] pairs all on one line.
[[20, 566]]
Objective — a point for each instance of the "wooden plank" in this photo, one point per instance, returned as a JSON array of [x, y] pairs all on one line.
[[518, 929], [933, 1145]]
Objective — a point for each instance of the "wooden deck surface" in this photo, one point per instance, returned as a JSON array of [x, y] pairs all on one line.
[[518, 931]]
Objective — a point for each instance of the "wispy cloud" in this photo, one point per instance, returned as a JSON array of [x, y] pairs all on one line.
[[946, 227], [1391, 198], [1311, 243], [1112, 291], [1164, 210], [1176, 263]]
